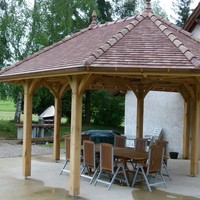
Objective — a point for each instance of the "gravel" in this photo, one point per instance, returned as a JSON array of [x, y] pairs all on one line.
[[12, 148]]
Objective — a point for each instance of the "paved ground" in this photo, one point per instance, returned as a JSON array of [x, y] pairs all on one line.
[[12, 148], [46, 183]]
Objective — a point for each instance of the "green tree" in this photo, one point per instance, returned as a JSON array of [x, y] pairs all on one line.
[[107, 109], [4, 52], [182, 10], [123, 8], [4, 20], [105, 11]]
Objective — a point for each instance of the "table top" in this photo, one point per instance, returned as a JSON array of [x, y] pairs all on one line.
[[127, 153]]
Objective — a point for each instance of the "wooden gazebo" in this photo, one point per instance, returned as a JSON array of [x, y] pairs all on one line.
[[140, 53]]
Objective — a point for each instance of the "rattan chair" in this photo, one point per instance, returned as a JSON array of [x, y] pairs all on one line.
[[164, 144], [90, 161], [152, 168], [120, 141], [108, 166], [141, 144], [67, 154], [85, 137]]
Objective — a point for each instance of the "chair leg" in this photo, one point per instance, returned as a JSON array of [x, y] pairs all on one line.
[[113, 178], [163, 179], [167, 173], [97, 178], [125, 175], [64, 166], [83, 169], [146, 179], [94, 175], [134, 179]]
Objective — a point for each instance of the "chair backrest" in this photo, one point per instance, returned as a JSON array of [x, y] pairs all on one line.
[[163, 144], [89, 153], [155, 159], [67, 147], [140, 144], [120, 141], [85, 137], [106, 157]]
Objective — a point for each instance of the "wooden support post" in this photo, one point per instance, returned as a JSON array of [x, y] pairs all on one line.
[[27, 130], [186, 129], [75, 150], [195, 138], [57, 122], [140, 113], [58, 91]]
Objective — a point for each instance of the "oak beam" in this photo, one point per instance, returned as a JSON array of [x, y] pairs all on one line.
[[186, 129], [75, 147], [57, 124], [58, 91], [195, 138], [27, 130], [140, 112]]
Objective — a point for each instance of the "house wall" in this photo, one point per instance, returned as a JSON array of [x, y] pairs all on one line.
[[196, 31], [161, 110]]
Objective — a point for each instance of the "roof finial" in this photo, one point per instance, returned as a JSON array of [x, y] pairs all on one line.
[[94, 19], [148, 5]]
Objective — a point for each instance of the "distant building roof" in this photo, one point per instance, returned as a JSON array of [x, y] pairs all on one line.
[[193, 19], [49, 112]]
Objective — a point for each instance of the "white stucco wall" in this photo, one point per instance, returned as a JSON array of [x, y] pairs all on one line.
[[196, 31], [161, 109]]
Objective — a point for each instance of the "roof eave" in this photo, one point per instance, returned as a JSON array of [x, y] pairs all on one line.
[[114, 70]]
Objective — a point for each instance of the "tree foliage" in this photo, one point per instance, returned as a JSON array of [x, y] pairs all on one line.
[[107, 109], [182, 9], [104, 10]]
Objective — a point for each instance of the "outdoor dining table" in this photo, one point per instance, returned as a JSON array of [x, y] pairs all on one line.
[[127, 153]]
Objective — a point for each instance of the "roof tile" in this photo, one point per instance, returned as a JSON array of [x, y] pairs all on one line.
[[105, 47], [112, 41], [167, 32], [172, 37], [178, 42], [162, 27], [129, 27], [195, 62], [118, 36], [189, 55], [183, 48], [134, 22], [158, 22], [97, 53]]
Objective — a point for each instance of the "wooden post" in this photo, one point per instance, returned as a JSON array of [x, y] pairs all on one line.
[[27, 130], [58, 91], [140, 113], [195, 138], [186, 129], [57, 122], [76, 127]]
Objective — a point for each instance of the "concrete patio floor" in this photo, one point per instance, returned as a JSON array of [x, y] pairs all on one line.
[[46, 183]]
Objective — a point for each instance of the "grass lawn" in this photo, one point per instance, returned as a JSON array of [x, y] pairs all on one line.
[[7, 110]]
